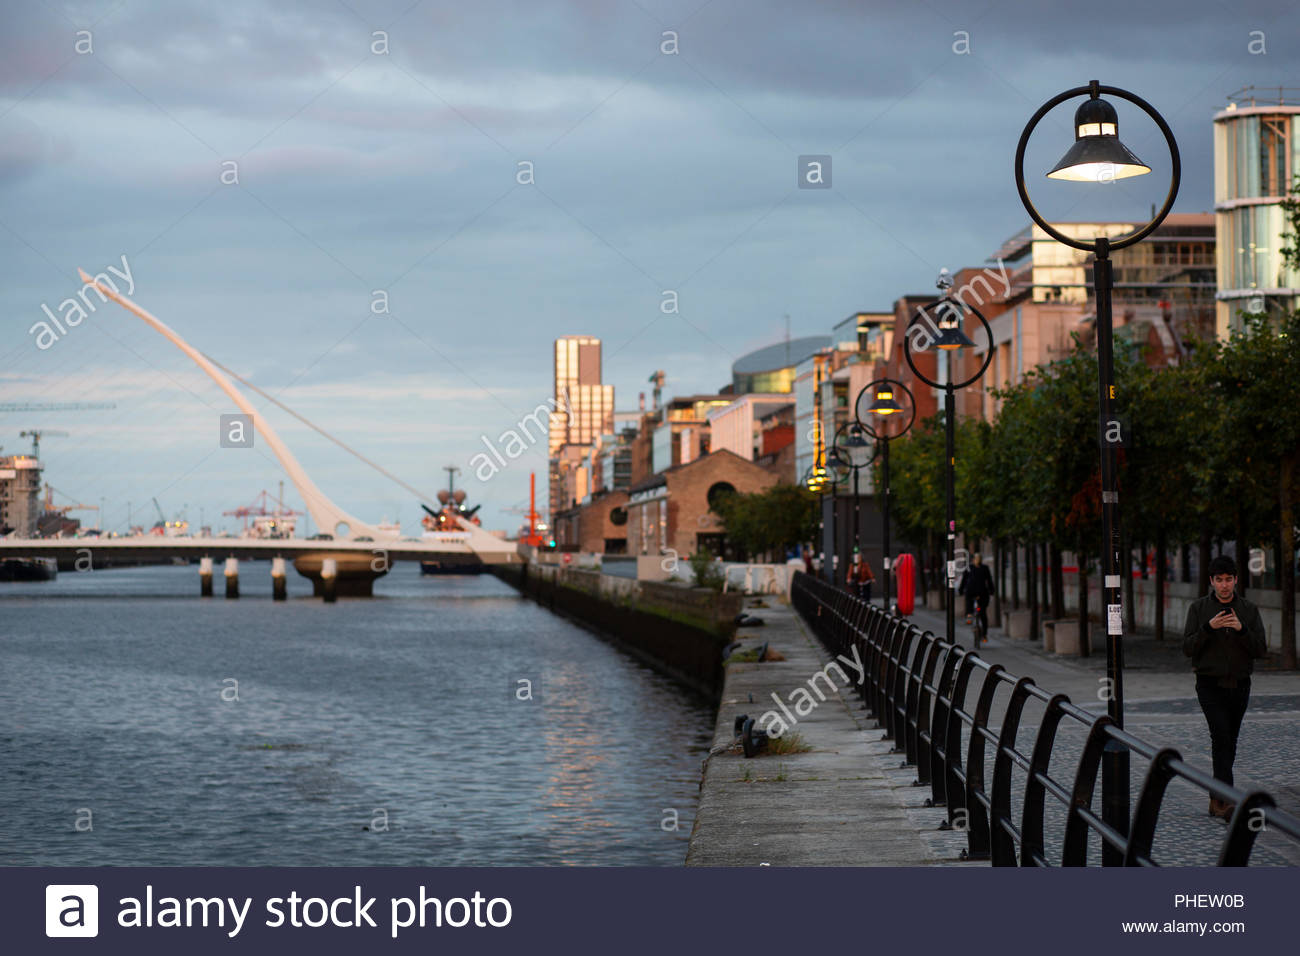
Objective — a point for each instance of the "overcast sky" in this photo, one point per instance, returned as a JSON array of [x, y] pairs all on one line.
[[378, 146]]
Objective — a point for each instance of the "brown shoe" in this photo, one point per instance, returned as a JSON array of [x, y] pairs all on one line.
[[1221, 808]]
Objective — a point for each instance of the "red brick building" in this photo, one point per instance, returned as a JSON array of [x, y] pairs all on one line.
[[671, 510], [598, 527]]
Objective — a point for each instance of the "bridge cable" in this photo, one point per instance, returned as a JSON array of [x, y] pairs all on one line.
[[312, 425]]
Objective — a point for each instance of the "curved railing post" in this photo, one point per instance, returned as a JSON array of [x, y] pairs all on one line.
[[1241, 835], [1003, 846], [977, 836], [1142, 833], [1031, 826], [1074, 846], [954, 785], [939, 721]]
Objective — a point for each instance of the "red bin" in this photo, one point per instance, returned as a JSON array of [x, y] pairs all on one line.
[[905, 570]]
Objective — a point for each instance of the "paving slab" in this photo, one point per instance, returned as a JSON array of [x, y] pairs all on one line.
[[843, 802]]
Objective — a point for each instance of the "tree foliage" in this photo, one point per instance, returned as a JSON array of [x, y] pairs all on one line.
[[768, 521], [1210, 445]]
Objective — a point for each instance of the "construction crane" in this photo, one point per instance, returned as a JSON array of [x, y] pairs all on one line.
[[36, 434], [54, 406], [50, 508], [657, 380]]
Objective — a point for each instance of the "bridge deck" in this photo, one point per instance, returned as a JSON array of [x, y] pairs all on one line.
[[155, 546]]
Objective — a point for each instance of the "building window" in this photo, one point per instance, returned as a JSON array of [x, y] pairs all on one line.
[[1273, 155], [717, 492]]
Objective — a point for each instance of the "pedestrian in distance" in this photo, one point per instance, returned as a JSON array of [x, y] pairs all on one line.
[[977, 585], [1223, 637], [860, 576]]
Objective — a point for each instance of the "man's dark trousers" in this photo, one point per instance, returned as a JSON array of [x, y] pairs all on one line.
[[1224, 707]]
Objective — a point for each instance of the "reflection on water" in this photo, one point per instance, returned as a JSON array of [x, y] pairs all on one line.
[[140, 724]]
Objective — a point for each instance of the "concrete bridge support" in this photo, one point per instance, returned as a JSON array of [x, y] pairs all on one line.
[[205, 577], [354, 572], [232, 577], [279, 586], [329, 580]]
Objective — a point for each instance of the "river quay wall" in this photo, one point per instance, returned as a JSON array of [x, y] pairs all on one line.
[[679, 631]]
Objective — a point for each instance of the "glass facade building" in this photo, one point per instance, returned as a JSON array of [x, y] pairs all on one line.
[[584, 410], [1254, 165]]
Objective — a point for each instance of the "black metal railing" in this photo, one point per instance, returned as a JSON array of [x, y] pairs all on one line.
[[917, 687]]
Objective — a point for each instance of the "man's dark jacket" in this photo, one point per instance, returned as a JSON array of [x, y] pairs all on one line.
[[1226, 653], [977, 581]]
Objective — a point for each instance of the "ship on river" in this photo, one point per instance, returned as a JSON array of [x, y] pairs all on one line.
[[442, 525]]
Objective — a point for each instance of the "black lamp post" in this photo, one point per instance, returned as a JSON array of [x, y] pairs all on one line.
[[816, 479], [878, 411], [950, 338], [1098, 156], [852, 447]]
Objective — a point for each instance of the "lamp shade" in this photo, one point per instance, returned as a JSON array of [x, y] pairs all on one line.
[[884, 403], [951, 337], [837, 469], [1097, 154]]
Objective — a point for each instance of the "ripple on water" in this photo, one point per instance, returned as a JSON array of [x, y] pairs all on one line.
[[369, 732]]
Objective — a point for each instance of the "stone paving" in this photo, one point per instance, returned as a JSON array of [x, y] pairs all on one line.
[[848, 801]]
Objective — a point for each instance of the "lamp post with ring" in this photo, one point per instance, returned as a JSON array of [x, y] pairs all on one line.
[[1098, 156], [950, 339], [878, 410], [853, 448], [817, 479]]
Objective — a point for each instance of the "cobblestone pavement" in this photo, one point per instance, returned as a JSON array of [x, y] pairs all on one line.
[[1161, 708]]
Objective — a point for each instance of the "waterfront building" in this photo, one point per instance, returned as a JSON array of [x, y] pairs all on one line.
[[671, 512], [681, 434], [583, 411], [20, 495], [772, 369], [599, 526], [1254, 166]]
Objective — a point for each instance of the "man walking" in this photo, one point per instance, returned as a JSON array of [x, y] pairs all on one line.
[[1223, 636], [977, 584]]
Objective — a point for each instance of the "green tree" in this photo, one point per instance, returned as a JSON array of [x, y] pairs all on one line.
[[916, 480], [1256, 371], [767, 521]]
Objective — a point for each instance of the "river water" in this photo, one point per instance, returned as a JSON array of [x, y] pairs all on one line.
[[142, 725]]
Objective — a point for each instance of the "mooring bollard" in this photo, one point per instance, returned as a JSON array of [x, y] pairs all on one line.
[[205, 577], [232, 577], [329, 579], [279, 586]]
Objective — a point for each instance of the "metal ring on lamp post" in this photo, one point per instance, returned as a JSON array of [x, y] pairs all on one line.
[[1095, 89], [988, 355], [848, 462], [893, 383], [837, 469]]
